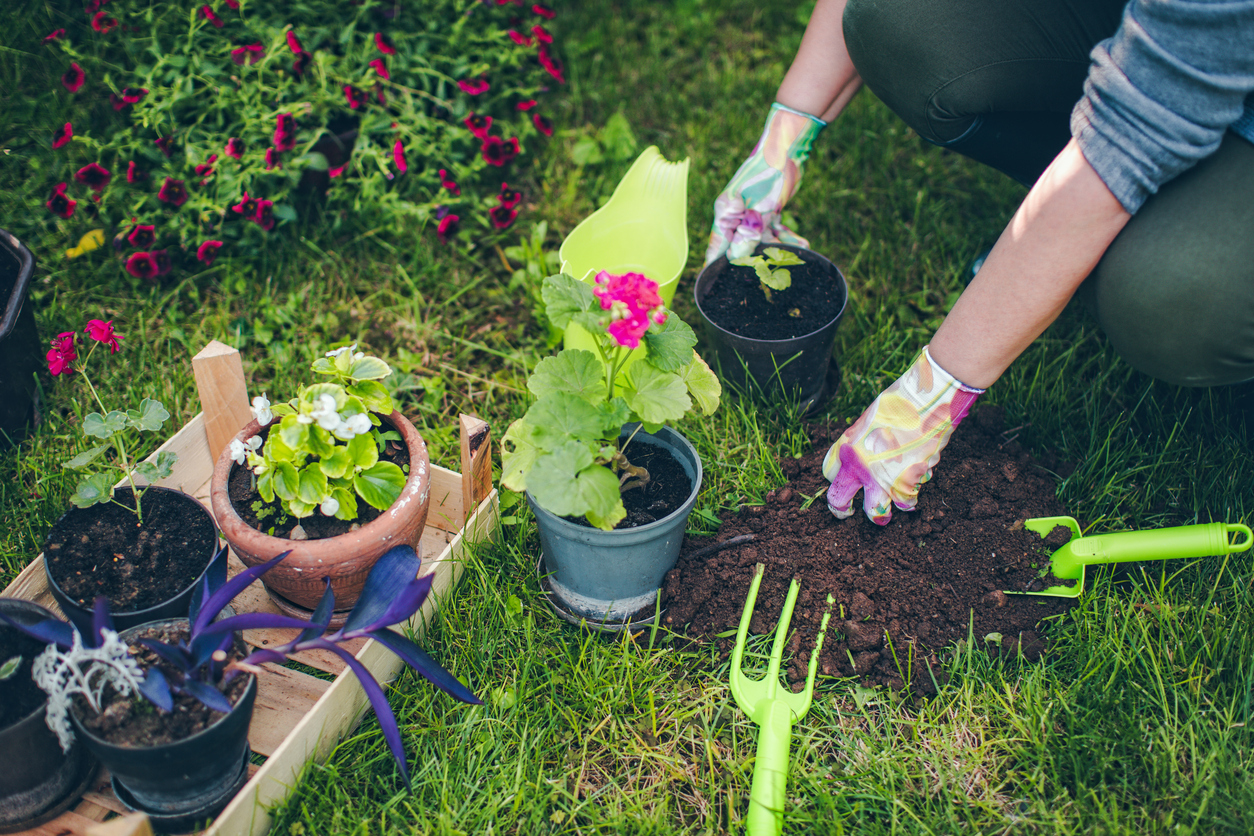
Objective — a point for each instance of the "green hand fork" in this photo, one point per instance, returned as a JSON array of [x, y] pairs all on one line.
[[774, 708], [1184, 541]]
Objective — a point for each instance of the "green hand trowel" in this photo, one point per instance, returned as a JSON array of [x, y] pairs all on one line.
[[1184, 541]]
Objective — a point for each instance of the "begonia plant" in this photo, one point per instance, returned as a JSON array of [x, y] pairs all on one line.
[[569, 450]]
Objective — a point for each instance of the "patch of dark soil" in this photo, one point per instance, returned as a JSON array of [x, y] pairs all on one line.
[[668, 488], [736, 302], [274, 520], [903, 591], [19, 695], [103, 550], [135, 722]]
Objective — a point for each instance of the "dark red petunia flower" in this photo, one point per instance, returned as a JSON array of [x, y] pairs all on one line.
[[551, 64], [475, 87], [509, 197], [251, 53], [301, 64], [497, 151], [353, 95], [502, 216], [543, 125], [448, 227], [234, 4], [478, 125], [272, 159], [133, 95], [102, 23], [544, 11], [73, 78], [285, 132], [62, 135], [142, 236], [519, 38], [337, 171], [94, 176], [102, 332], [59, 203], [143, 266], [54, 35], [264, 216], [207, 14], [164, 264], [246, 207], [527, 105], [381, 69], [134, 174], [235, 148], [398, 156], [166, 144], [293, 43], [208, 251], [447, 183], [206, 168], [172, 191], [542, 34], [384, 43], [93, 6]]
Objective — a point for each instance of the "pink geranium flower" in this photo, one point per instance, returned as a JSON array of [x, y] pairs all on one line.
[[73, 78], [235, 148], [447, 228], [102, 332], [143, 266], [62, 135], [172, 191], [381, 69], [384, 43], [293, 43], [208, 251], [633, 302], [62, 354], [142, 236], [474, 87], [61, 204], [398, 156], [94, 176], [478, 125]]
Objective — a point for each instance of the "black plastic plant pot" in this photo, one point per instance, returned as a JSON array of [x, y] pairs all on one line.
[[801, 367], [19, 341], [175, 607], [186, 782], [37, 780]]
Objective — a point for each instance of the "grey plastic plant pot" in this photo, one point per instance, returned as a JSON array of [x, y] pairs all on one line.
[[801, 367], [19, 340], [606, 576]]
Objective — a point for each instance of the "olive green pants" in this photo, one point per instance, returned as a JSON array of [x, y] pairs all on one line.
[[996, 80]]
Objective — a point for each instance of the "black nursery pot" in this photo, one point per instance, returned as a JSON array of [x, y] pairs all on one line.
[[182, 783], [174, 607], [19, 341], [801, 367], [37, 780]]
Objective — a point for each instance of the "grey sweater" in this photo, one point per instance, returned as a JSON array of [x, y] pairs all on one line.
[[1161, 92]]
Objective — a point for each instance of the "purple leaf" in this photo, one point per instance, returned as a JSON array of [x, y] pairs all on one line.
[[321, 617], [210, 609], [47, 630], [156, 690], [208, 695], [204, 646], [210, 582], [100, 620], [394, 571], [254, 621], [176, 656], [407, 602], [421, 661], [265, 654]]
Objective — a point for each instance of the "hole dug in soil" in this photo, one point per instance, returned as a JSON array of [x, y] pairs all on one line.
[[907, 590]]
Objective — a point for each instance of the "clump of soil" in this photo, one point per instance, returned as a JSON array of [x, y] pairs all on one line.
[[19, 695], [735, 300], [668, 488], [903, 591], [271, 517], [103, 550], [135, 722]]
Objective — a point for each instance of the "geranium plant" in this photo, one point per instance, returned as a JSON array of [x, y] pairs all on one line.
[[567, 451], [323, 454], [109, 425], [772, 268]]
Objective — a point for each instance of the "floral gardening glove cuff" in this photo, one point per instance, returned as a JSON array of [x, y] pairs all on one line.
[[748, 209], [891, 449]]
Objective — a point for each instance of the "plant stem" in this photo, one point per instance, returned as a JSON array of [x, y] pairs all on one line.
[[118, 444]]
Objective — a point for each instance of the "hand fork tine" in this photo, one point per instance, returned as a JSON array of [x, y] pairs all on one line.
[[774, 708]]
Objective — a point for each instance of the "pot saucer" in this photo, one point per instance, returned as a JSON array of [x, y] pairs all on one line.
[[632, 625], [185, 822], [84, 779]]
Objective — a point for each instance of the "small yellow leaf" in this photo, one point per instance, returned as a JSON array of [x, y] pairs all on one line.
[[91, 241]]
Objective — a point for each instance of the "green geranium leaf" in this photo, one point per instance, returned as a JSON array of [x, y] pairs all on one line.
[[380, 485], [337, 464], [518, 454], [656, 396], [374, 396], [591, 321], [568, 483], [149, 417], [92, 490], [104, 426], [363, 452], [560, 417], [87, 456], [286, 481], [613, 415], [670, 344], [159, 468], [368, 368], [564, 296], [702, 384], [312, 486], [781, 258], [776, 279], [573, 370]]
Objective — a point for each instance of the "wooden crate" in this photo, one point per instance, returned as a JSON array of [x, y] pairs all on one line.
[[298, 718]]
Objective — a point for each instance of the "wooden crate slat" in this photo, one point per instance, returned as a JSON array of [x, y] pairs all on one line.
[[283, 697], [67, 824]]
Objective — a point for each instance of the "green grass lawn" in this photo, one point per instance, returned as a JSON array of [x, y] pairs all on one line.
[[1136, 721]]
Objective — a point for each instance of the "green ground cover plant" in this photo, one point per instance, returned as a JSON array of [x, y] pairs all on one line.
[[1138, 719]]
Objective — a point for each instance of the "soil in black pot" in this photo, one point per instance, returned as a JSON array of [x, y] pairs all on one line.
[[737, 304], [273, 519], [103, 550], [667, 490], [19, 695], [134, 722], [925, 579]]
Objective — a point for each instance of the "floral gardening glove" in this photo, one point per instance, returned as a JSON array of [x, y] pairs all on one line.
[[747, 211], [890, 451]]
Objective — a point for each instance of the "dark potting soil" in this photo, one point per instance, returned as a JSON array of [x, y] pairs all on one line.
[[271, 517], [925, 579], [103, 550], [737, 304], [19, 695], [667, 490], [134, 722]]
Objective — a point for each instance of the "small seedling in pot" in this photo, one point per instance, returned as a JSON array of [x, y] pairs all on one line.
[[772, 269]]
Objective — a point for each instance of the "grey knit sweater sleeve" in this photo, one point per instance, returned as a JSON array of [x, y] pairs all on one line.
[[1161, 92]]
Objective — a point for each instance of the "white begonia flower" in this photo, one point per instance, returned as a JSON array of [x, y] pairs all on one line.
[[261, 410], [330, 506], [254, 443], [302, 418], [359, 355], [238, 451], [324, 413], [360, 423], [339, 351]]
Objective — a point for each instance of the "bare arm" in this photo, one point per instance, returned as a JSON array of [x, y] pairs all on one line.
[[822, 78], [1053, 242]]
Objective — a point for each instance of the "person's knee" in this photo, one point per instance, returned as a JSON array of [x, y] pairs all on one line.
[[896, 55]]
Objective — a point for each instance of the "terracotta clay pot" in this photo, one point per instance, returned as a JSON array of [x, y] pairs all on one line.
[[297, 583]]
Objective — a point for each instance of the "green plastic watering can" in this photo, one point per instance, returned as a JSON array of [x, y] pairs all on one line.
[[1184, 541], [642, 229]]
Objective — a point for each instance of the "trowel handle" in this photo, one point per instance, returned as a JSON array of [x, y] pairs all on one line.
[[768, 793], [1163, 543]]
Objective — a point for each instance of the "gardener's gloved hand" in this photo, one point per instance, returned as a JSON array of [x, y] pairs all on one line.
[[890, 451], [747, 212]]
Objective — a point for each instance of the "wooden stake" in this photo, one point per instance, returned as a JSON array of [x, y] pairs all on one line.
[[223, 394], [132, 824], [476, 438]]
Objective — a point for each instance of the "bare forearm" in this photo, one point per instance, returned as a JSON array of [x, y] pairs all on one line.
[[822, 78], [1050, 246]]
